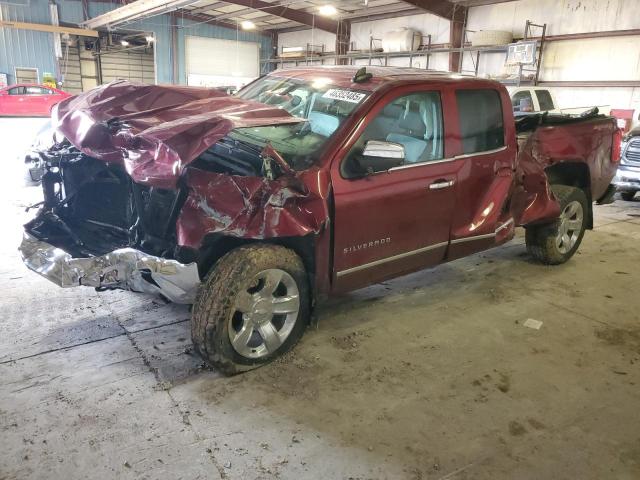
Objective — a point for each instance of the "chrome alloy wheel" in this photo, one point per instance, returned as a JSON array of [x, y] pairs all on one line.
[[570, 227], [264, 313]]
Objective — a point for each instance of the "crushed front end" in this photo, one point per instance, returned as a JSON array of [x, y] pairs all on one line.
[[148, 185], [96, 227]]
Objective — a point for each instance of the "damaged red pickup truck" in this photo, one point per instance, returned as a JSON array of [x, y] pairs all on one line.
[[308, 182]]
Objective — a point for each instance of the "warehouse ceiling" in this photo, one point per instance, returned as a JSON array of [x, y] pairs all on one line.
[[345, 9], [258, 12]]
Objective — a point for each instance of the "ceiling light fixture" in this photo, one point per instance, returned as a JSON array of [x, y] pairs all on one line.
[[124, 43], [328, 10], [149, 38], [133, 11], [247, 25]]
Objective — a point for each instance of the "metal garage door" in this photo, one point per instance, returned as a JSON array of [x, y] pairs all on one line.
[[215, 62], [135, 65]]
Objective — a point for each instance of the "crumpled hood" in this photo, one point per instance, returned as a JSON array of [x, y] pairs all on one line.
[[154, 131]]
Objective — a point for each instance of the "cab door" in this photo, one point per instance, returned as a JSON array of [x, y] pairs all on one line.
[[487, 150], [394, 220]]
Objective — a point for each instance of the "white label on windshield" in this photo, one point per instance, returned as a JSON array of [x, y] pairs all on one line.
[[345, 95]]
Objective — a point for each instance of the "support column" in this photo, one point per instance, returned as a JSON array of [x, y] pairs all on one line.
[[175, 71], [85, 9], [456, 36], [273, 54], [343, 39]]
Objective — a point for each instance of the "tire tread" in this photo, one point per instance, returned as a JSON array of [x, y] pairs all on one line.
[[540, 239], [217, 293]]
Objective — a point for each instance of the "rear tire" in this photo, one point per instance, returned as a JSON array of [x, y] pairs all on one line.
[[253, 307], [555, 243], [627, 196]]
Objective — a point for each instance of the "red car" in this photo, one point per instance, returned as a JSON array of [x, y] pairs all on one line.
[[29, 100], [309, 182]]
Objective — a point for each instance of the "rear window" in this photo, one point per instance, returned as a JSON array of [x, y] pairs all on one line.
[[545, 100], [481, 123], [522, 102]]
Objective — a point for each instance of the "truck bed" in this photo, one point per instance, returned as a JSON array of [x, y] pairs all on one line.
[[590, 139]]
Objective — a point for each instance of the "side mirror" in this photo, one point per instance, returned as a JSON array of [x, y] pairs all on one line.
[[381, 156]]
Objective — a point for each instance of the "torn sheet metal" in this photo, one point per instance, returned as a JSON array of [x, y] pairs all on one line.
[[252, 207], [125, 268], [532, 200], [555, 139], [153, 130]]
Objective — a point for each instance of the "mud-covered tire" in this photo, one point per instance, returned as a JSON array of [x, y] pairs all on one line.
[[215, 306], [627, 196], [542, 240]]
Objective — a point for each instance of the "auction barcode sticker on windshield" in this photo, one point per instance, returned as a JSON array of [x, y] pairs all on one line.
[[345, 95]]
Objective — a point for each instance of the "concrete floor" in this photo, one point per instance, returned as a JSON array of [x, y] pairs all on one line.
[[432, 376]]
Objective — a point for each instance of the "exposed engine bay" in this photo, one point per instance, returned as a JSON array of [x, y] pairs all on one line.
[[98, 227], [91, 207]]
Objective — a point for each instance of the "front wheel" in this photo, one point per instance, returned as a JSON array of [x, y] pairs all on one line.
[[556, 243], [253, 307]]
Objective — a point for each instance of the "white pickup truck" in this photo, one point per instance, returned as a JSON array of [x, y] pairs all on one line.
[[538, 99]]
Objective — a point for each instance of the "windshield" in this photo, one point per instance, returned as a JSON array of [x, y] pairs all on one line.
[[324, 107]]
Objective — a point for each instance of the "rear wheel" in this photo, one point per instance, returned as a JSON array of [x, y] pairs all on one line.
[[627, 196], [556, 243], [253, 307]]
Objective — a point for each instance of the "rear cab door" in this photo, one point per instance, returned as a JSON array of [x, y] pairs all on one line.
[[486, 146], [397, 220]]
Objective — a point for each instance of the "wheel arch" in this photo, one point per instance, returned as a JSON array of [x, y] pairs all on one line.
[[215, 246], [573, 174]]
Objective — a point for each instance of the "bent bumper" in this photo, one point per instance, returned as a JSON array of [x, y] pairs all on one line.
[[627, 179], [126, 268]]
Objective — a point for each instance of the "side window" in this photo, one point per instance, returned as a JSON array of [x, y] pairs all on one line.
[[36, 91], [16, 91], [522, 101], [413, 121], [545, 100], [481, 123]]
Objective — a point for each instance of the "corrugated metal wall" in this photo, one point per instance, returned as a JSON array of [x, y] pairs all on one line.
[[599, 59], [35, 49], [25, 48], [361, 32]]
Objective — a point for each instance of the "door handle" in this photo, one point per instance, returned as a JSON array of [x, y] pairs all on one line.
[[440, 184]]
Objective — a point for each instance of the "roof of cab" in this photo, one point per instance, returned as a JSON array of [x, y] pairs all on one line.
[[342, 75]]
